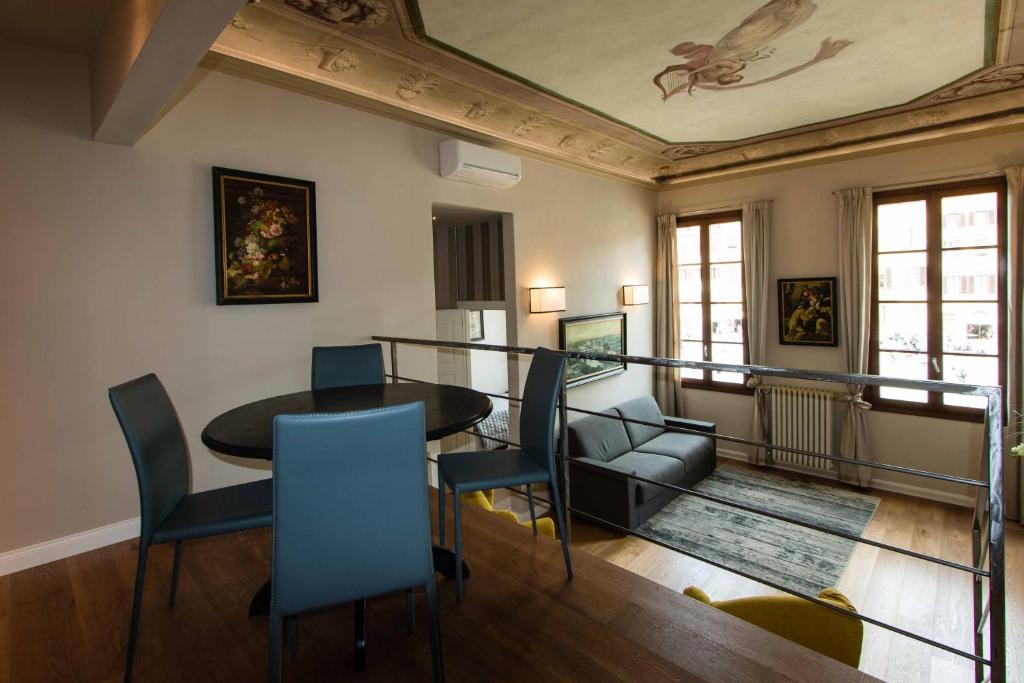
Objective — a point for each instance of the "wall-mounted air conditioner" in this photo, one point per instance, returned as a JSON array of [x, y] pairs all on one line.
[[469, 163]]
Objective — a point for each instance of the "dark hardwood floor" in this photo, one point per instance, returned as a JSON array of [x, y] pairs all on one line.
[[520, 620]]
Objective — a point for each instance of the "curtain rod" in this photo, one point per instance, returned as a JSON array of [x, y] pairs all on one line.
[[934, 181]]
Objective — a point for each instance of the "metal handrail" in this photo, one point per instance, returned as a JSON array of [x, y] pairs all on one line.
[[992, 610]]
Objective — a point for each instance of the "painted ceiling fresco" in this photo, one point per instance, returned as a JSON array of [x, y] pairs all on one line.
[[652, 90]]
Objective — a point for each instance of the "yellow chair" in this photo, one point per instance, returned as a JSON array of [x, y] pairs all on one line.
[[830, 633], [481, 499]]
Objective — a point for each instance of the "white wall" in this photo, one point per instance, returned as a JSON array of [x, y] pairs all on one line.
[[488, 370], [804, 244], [109, 270]]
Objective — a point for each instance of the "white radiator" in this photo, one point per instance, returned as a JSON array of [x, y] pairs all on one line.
[[801, 418]]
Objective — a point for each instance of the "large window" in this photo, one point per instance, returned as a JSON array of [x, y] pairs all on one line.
[[939, 283], [711, 310]]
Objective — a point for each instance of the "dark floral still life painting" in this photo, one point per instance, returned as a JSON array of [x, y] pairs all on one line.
[[265, 230]]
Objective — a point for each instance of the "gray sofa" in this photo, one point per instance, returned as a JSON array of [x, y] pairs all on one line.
[[605, 455]]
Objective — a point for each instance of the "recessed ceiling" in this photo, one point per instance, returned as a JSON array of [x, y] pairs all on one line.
[[653, 91], [713, 71]]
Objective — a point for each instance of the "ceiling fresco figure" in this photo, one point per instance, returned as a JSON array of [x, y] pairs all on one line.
[[718, 67]]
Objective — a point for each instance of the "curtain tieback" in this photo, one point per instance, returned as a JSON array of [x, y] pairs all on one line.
[[755, 383], [856, 398]]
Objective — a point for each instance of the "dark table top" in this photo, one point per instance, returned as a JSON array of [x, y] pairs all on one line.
[[248, 431]]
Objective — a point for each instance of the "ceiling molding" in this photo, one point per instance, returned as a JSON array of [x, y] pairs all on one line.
[[370, 54]]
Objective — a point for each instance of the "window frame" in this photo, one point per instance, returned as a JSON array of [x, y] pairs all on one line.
[[932, 196], [704, 221]]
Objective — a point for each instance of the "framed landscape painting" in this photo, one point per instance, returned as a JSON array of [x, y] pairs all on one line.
[[808, 312], [605, 333], [265, 233]]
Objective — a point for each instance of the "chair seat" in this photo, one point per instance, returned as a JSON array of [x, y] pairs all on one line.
[[479, 470], [219, 511]]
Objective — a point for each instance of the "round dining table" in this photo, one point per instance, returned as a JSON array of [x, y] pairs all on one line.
[[248, 432]]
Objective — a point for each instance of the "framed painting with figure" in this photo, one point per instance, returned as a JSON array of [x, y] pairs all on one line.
[[265, 234], [476, 326], [808, 312], [605, 333]]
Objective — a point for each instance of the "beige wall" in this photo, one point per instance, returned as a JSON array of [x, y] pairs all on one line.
[[109, 269], [804, 244]]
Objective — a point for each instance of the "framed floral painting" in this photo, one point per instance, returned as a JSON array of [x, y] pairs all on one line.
[[265, 232]]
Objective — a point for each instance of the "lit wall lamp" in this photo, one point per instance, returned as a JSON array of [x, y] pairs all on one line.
[[547, 299], [636, 295]]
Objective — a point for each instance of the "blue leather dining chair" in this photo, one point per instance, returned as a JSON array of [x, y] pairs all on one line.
[[170, 514], [532, 463], [351, 519], [346, 366]]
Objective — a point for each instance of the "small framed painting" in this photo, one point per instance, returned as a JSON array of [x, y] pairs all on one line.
[[476, 326], [265, 233], [808, 312], [605, 333]]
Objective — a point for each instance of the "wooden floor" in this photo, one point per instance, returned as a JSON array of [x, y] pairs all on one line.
[[520, 620], [921, 597]]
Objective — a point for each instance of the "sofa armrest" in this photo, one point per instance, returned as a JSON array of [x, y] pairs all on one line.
[[604, 491], [686, 423]]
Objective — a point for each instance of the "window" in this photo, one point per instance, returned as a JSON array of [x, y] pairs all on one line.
[[939, 290], [711, 308]]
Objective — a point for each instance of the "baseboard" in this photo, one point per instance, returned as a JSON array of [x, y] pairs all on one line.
[[59, 548], [881, 484]]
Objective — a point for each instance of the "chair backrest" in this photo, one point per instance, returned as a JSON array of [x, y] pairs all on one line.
[[350, 506], [157, 444], [540, 398], [346, 366]]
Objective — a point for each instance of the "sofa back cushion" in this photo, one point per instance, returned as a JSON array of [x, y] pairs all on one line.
[[599, 438], [646, 409]]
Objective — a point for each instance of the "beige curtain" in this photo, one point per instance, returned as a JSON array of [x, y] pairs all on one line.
[[757, 227], [667, 390], [855, 234], [1012, 475]]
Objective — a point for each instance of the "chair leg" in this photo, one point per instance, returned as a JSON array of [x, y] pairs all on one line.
[[457, 501], [174, 573], [292, 625], [559, 517], [133, 627], [440, 507], [533, 514], [276, 632], [435, 631], [410, 611], [359, 616]]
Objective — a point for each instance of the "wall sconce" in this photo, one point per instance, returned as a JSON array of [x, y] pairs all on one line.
[[636, 295], [547, 299]]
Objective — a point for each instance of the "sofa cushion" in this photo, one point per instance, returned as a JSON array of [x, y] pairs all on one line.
[[694, 452], [599, 438], [651, 466], [643, 408]]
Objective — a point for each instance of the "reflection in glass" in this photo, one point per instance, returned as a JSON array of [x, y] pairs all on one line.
[[970, 220], [689, 283], [688, 245], [902, 226], [903, 327], [970, 328], [727, 282], [691, 321], [692, 351], [969, 370], [970, 274], [727, 322], [724, 242], [907, 366], [727, 353], [903, 277]]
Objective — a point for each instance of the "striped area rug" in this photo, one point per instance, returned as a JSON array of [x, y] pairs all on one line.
[[801, 559]]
